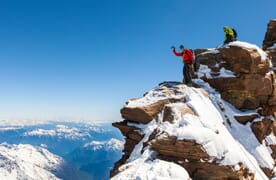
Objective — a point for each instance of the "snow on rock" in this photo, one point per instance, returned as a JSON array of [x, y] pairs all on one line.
[[144, 168], [249, 46], [238, 73], [225, 145], [272, 47], [27, 162], [111, 145]]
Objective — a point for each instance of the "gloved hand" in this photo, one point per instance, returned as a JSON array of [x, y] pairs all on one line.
[[173, 48]]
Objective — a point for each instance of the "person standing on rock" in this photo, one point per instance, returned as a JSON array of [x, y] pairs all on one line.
[[229, 34], [188, 59]]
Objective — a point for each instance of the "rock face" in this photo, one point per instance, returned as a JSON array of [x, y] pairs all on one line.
[[269, 43], [240, 73], [198, 128], [270, 36], [187, 134]]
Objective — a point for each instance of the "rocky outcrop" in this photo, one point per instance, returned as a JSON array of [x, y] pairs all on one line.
[[146, 113], [170, 122], [192, 156], [269, 43], [158, 136], [270, 36], [133, 137], [248, 84]]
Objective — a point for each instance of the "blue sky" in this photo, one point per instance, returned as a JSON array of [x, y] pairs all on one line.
[[69, 59]]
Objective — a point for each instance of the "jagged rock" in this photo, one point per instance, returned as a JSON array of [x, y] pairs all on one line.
[[262, 128], [269, 43], [146, 113], [180, 149], [185, 152], [244, 60], [133, 137], [270, 36], [193, 158], [249, 86], [243, 76], [243, 119]]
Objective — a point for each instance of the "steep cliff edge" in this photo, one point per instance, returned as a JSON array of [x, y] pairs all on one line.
[[222, 128], [269, 43]]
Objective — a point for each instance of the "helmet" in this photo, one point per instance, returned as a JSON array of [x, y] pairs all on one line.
[[181, 47]]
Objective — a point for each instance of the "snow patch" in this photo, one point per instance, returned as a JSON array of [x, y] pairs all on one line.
[[146, 168], [249, 46], [27, 162], [272, 47]]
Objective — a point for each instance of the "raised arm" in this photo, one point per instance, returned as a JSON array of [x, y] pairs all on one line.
[[176, 53]]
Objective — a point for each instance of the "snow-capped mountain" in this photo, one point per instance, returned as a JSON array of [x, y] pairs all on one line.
[[97, 157], [27, 162], [60, 131], [111, 145], [76, 145]]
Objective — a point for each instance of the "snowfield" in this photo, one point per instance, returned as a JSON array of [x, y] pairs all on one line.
[[27, 162]]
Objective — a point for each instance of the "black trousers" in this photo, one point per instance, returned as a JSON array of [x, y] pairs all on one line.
[[187, 73], [228, 39]]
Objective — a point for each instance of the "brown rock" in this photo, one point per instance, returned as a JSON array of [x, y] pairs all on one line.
[[251, 87], [181, 149], [246, 118], [133, 137], [261, 129], [124, 127], [270, 36], [243, 60], [147, 113]]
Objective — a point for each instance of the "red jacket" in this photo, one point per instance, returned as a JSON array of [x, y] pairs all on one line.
[[188, 56]]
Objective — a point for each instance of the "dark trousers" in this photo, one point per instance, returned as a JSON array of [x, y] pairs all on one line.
[[187, 73], [228, 39]]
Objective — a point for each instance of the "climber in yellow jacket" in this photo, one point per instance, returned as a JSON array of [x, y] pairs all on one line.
[[229, 34]]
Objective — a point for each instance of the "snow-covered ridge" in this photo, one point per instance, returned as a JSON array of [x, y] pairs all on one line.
[[61, 131], [111, 145], [27, 162], [209, 126], [154, 96]]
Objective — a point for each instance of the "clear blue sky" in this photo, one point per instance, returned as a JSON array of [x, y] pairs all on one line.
[[75, 59]]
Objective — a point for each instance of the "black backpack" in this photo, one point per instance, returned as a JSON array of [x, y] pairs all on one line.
[[235, 33]]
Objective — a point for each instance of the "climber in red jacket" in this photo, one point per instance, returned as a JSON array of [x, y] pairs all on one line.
[[188, 59]]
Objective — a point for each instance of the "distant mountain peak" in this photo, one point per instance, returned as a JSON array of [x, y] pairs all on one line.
[[111, 145]]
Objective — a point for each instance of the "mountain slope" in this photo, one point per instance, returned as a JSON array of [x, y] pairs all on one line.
[[27, 162]]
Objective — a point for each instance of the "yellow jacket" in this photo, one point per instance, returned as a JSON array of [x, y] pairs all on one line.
[[229, 31]]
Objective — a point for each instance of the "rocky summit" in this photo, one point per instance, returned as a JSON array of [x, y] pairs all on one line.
[[221, 128], [269, 43]]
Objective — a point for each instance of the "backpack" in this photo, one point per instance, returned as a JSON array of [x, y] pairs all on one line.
[[194, 61], [191, 56], [235, 33]]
